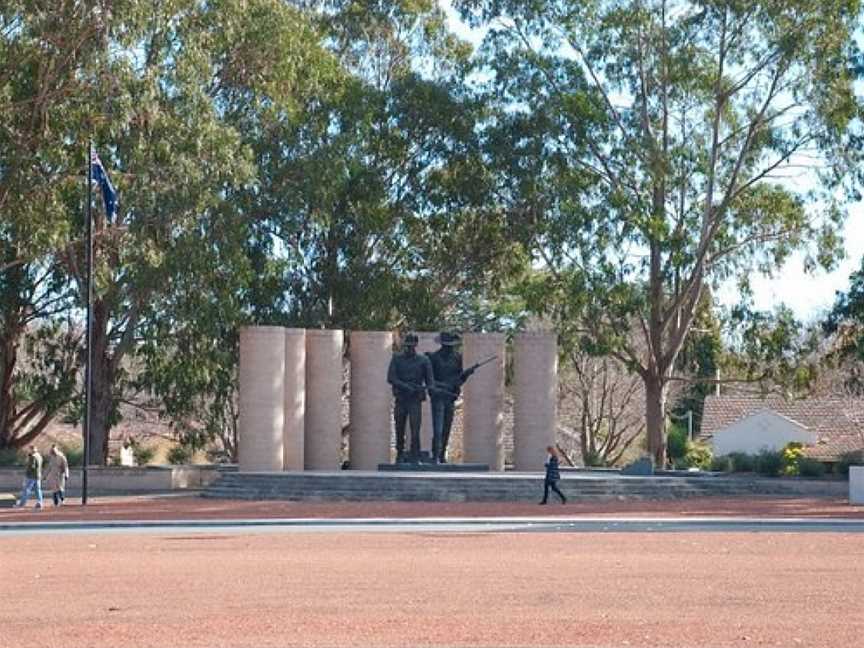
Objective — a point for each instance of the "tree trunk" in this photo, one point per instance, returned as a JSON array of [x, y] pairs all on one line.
[[103, 383], [655, 411]]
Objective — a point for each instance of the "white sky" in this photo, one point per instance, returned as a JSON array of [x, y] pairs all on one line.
[[808, 295]]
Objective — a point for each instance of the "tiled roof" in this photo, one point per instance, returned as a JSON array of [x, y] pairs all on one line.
[[837, 422]]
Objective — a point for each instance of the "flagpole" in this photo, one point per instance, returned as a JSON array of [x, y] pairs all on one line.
[[88, 376]]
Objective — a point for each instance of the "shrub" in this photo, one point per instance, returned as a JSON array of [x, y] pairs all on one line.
[[793, 452], [74, 453], [179, 455], [808, 467], [769, 463], [698, 455], [676, 443], [13, 457], [143, 454], [723, 463], [855, 458], [742, 462]]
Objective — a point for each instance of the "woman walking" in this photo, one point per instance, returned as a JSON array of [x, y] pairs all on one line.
[[56, 475], [552, 475]]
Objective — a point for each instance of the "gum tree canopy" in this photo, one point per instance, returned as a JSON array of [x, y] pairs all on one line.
[[659, 147]]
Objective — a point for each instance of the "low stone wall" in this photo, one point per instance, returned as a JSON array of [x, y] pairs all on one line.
[[145, 479]]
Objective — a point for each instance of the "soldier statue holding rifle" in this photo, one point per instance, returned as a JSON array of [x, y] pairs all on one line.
[[449, 377], [410, 375]]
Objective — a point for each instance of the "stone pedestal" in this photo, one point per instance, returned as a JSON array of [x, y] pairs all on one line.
[[856, 484], [535, 398], [323, 439], [371, 399], [293, 433], [426, 344], [483, 408], [262, 396]]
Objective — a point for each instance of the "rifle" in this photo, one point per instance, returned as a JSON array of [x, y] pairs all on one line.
[[470, 370]]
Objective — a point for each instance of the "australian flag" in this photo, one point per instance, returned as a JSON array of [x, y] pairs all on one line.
[[109, 194]]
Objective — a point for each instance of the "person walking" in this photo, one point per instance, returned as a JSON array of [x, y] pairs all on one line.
[[32, 478], [552, 475], [56, 475]]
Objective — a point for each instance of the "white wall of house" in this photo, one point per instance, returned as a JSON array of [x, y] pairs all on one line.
[[763, 430]]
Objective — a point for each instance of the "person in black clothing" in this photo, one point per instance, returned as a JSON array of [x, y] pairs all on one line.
[[410, 375], [552, 476], [449, 378]]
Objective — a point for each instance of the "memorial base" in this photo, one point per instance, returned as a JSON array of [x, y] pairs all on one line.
[[420, 466]]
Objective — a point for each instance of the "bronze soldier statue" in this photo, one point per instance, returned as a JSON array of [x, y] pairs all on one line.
[[410, 375], [449, 378]]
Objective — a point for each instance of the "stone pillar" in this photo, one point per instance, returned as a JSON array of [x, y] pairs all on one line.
[[483, 409], [262, 396], [371, 399], [323, 439], [426, 343], [535, 398], [295, 399], [856, 484]]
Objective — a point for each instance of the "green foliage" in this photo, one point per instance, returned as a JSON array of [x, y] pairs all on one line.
[[742, 462], [143, 454], [698, 456], [74, 453], [793, 453], [677, 443], [11, 457], [180, 455], [811, 468], [723, 463], [847, 459], [769, 463]]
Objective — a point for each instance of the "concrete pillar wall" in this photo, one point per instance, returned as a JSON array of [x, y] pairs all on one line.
[[262, 397], [371, 399], [323, 438], [483, 409], [535, 391], [293, 434], [856, 484], [425, 344]]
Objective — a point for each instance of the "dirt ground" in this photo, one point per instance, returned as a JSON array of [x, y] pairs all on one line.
[[171, 508], [432, 589]]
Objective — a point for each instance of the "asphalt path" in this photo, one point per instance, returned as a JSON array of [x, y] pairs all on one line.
[[443, 525]]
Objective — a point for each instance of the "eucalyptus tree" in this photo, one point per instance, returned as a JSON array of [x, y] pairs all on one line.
[[662, 146]]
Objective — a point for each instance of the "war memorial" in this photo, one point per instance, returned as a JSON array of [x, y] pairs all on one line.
[[290, 395]]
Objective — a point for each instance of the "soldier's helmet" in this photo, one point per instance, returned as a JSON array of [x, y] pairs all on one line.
[[410, 340], [448, 338]]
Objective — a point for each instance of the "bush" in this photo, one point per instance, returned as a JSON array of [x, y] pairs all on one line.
[[12, 457], [742, 462], [143, 454], [769, 463], [793, 452], [74, 453], [723, 463], [676, 443], [847, 459], [179, 455], [808, 467], [698, 455]]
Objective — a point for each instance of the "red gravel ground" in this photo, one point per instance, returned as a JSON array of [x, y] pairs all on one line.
[[196, 508], [433, 589]]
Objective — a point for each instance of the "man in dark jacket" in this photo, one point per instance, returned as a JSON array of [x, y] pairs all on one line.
[[449, 378], [410, 375], [32, 478]]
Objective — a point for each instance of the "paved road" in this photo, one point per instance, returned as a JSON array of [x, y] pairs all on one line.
[[444, 525]]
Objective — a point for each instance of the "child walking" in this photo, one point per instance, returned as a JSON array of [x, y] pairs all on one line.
[[552, 475]]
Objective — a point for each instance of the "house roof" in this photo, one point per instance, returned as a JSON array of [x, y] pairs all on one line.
[[837, 422]]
